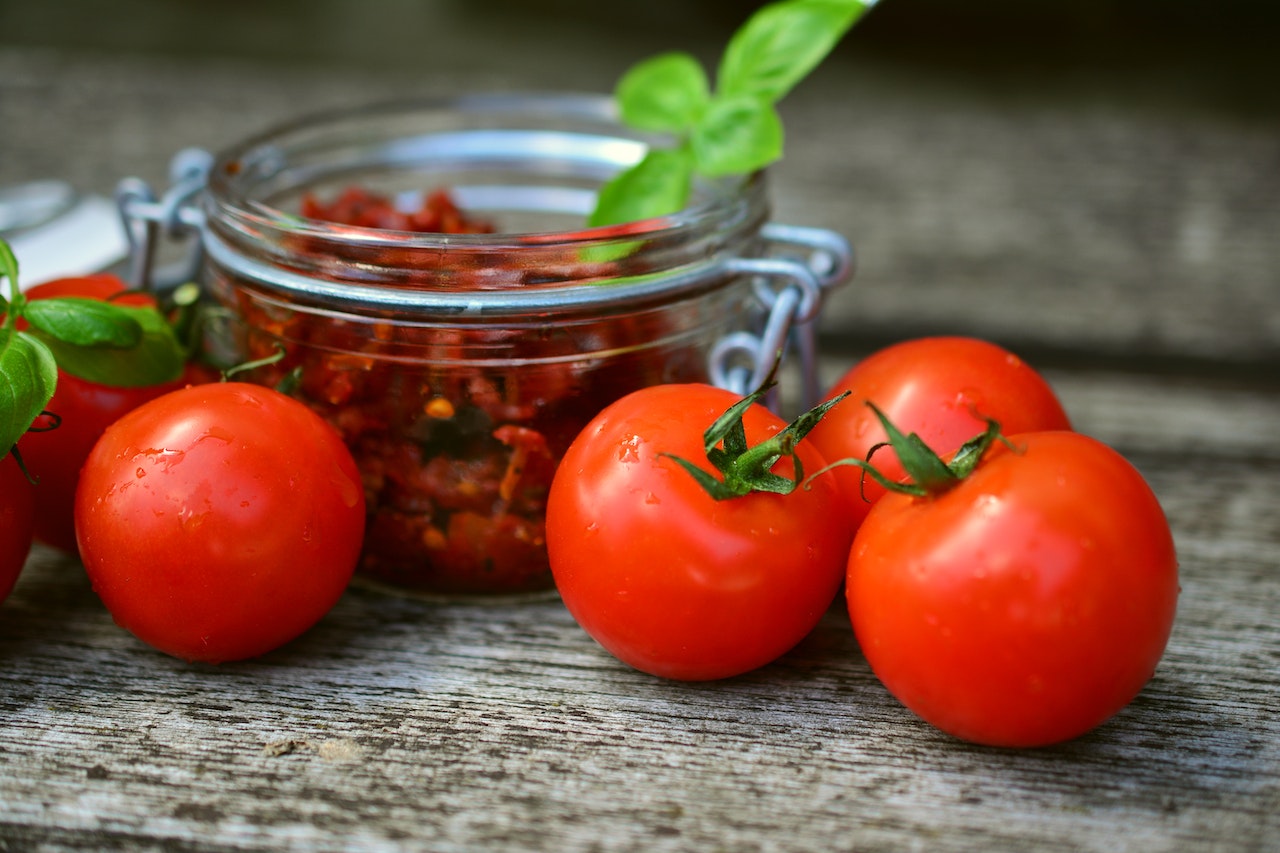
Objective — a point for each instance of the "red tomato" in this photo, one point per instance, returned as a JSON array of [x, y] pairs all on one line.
[[942, 389], [220, 521], [17, 515], [669, 580], [1026, 605], [84, 409]]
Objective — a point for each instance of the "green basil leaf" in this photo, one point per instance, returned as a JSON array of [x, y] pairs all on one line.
[[656, 186], [9, 266], [84, 322], [781, 43], [30, 375], [665, 93], [737, 136], [156, 357]]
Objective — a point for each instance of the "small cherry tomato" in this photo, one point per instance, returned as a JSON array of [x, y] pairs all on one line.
[[17, 516], [1025, 605], [219, 521], [57, 445], [943, 389], [668, 579]]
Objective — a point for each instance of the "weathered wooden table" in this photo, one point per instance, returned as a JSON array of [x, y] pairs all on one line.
[[1121, 236]]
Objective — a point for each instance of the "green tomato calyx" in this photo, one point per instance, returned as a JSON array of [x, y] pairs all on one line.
[[928, 475], [744, 468]]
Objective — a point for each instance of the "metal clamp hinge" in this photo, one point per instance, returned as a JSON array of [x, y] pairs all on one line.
[[791, 283], [175, 216]]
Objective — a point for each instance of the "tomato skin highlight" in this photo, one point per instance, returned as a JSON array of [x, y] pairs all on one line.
[[1027, 605], [219, 521], [17, 519], [669, 580], [941, 388]]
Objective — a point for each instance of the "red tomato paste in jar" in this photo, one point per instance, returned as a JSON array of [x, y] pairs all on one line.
[[457, 452]]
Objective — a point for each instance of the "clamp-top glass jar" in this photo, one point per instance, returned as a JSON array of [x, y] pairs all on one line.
[[458, 367]]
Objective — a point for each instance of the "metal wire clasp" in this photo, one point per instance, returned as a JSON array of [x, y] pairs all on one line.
[[175, 216], [791, 283]]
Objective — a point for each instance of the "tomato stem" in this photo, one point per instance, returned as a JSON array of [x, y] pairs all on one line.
[[927, 474], [744, 468], [256, 363]]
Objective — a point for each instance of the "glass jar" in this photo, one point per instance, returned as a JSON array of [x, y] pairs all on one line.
[[458, 367]]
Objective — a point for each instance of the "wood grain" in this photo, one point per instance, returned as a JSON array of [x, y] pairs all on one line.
[[1124, 242], [398, 721]]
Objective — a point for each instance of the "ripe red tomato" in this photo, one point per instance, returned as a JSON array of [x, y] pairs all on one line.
[[1026, 605], [84, 409], [17, 515], [219, 521], [668, 579], [942, 389]]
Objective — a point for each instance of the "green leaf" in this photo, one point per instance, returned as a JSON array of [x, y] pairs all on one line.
[[737, 136], [656, 186], [734, 130], [781, 43], [84, 322], [9, 268], [665, 93], [156, 357], [30, 376]]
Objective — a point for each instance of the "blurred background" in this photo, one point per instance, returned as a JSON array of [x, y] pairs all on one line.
[[1066, 176], [1218, 52]]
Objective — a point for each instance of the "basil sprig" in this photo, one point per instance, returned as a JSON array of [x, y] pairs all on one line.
[[98, 341], [733, 130]]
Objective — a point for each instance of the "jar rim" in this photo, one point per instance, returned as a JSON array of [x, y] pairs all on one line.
[[576, 139], [227, 190]]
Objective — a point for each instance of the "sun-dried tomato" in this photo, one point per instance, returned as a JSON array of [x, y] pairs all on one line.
[[457, 452]]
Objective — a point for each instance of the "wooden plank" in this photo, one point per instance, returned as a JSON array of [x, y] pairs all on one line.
[[399, 722]]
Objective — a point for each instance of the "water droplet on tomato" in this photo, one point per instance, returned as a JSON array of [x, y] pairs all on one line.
[[164, 458], [219, 434], [651, 498], [629, 450], [140, 473], [190, 520]]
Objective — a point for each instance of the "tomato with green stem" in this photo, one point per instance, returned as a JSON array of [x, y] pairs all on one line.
[[941, 388], [17, 518], [219, 521], [79, 411], [61, 339], [1021, 595], [694, 570]]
